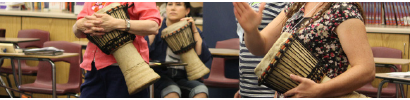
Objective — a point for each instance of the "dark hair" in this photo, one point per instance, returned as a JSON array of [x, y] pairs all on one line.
[[187, 4]]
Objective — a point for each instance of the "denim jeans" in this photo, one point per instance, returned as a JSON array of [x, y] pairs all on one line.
[[175, 80]]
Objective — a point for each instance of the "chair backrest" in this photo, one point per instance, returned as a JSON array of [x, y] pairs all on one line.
[[232, 43], [44, 36], [44, 70], [386, 52], [218, 64]]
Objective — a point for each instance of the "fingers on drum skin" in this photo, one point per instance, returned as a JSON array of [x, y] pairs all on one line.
[[97, 22], [88, 23], [103, 16], [88, 31], [98, 15], [97, 29], [90, 17]]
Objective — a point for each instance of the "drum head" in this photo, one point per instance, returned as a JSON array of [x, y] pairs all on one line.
[[174, 27]]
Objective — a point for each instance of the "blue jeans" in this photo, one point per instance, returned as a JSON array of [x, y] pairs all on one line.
[[175, 80], [108, 82]]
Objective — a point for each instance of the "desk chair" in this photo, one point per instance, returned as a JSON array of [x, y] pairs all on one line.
[[43, 82], [3, 34], [391, 90], [29, 33], [217, 76]]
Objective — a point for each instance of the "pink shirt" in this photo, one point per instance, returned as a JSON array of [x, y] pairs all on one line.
[[140, 11]]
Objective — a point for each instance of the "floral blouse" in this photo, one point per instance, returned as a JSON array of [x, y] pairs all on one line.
[[320, 37]]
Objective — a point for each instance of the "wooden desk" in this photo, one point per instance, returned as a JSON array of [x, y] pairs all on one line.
[[219, 52], [165, 64], [16, 55], [19, 56], [391, 61], [387, 78], [17, 40]]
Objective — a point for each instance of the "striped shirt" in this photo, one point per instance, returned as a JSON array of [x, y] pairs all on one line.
[[248, 85]]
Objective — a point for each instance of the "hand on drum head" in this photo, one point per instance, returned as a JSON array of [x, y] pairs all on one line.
[[95, 31], [191, 20], [87, 26], [107, 23], [247, 17], [306, 88]]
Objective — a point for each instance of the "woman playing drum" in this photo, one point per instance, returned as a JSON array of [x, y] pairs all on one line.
[[333, 32], [174, 82], [104, 79]]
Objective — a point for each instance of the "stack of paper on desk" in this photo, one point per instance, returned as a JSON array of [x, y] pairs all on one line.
[[400, 74], [46, 51]]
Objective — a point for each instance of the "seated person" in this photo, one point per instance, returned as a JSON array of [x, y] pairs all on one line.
[[174, 82]]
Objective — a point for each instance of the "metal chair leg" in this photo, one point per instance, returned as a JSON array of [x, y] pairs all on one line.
[[402, 91], [379, 90], [7, 90], [397, 90], [9, 82]]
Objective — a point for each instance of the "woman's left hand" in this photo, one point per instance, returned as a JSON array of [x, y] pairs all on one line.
[[306, 88], [191, 20], [107, 22]]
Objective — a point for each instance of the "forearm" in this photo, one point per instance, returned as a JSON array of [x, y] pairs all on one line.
[[260, 42], [255, 43], [198, 45], [139, 27], [351, 80]]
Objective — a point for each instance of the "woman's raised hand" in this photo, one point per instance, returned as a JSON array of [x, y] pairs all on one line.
[[247, 17]]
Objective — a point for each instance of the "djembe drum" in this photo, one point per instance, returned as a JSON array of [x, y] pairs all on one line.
[[137, 73], [180, 40], [289, 56]]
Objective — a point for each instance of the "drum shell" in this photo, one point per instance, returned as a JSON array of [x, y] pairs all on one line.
[[195, 68], [137, 73]]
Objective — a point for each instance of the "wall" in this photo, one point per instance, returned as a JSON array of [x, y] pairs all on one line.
[[219, 24]]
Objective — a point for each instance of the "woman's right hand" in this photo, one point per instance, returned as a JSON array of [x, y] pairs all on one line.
[[247, 17], [87, 26]]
